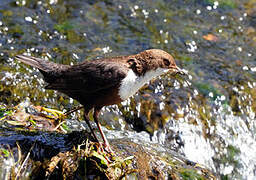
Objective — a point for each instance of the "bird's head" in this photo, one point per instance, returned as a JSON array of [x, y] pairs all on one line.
[[162, 59], [153, 59]]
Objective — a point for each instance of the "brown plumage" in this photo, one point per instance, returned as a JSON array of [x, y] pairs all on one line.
[[102, 82]]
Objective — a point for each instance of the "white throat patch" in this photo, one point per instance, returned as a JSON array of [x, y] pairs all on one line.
[[132, 83]]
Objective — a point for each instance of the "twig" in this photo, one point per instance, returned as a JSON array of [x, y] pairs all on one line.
[[25, 160], [73, 110]]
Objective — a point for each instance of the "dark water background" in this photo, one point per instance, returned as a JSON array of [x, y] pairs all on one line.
[[211, 122]]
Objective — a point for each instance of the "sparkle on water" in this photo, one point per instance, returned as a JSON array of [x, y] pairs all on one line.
[[210, 119]]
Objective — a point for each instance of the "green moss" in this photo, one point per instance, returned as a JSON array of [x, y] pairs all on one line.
[[232, 152], [190, 174], [64, 27], [184, 58], [68, 29], [65, 127], [103, 163], [224, 3], [4, 152], [4, 112], [229, 157], [205, 89], [73, 37], [6, 12], [224, 177], [16, 29], [32, 122]]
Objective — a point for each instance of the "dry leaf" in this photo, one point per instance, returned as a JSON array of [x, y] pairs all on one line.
[[210, 37]]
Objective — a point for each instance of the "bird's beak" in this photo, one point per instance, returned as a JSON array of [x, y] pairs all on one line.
[[177, 70]]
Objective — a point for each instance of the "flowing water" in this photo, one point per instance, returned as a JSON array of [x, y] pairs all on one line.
[[210, 119]]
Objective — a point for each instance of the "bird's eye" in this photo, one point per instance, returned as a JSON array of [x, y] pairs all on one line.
[[131, 61], [166, 62]]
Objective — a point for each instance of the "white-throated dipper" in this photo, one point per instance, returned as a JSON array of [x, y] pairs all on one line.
[[102, 82]]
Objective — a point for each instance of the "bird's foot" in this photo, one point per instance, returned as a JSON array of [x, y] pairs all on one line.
[[106, 149]]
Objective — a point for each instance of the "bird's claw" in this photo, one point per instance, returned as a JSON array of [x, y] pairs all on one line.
[[106, 149]]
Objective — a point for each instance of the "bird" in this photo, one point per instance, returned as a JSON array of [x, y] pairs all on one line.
[[102, 82]]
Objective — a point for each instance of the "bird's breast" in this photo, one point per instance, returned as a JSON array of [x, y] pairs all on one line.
[[132, 82]]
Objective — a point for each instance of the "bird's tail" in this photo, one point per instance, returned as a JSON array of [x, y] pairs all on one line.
[[39, 63]]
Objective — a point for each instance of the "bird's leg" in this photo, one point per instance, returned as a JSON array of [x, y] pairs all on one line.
[[105, 141], [86, 117]]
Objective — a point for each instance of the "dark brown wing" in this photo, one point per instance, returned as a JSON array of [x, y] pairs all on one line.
[[88, 77]]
